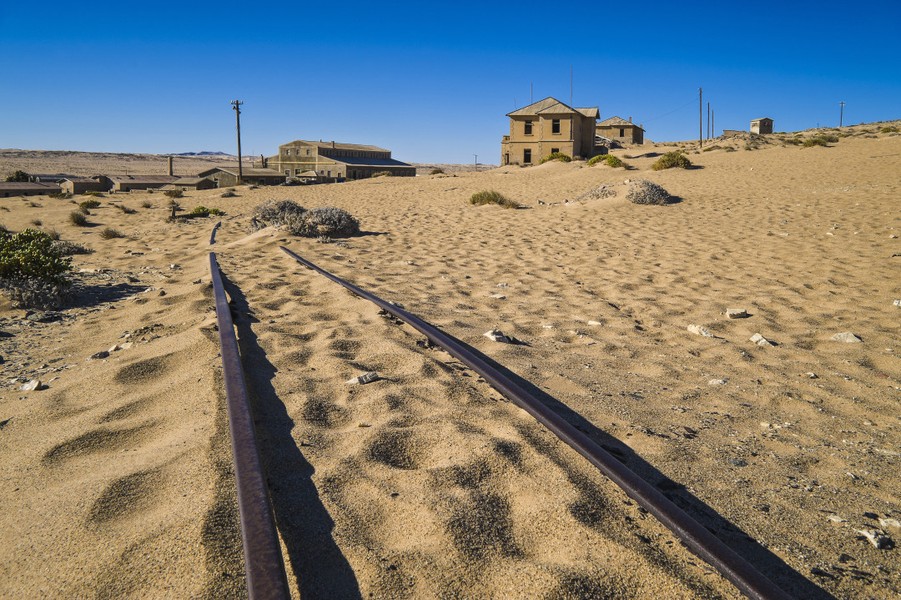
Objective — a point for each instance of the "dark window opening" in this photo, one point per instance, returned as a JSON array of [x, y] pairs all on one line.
[[527, 156], [555, 150], [555, 126], [622, 132], [528, 128]]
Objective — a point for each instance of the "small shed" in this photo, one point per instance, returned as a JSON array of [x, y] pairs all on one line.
[[228, 176], [620, 130], [80, 185], [762, 125], [26, 188], [191, 183], [128, 183]]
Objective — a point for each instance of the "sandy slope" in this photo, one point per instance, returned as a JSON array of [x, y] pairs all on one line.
[[116, 479]]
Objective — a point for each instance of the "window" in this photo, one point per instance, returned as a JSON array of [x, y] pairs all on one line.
[[555, 126], [527, 156], [528, 128], [308, 151], [555, 150], [622, 132], [287, 172]]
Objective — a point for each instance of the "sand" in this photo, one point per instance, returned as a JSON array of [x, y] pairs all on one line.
[[427, 483]]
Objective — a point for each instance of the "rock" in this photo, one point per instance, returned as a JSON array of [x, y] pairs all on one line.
[[698, 330], [161, 293], [114, 348], [45, 317], [99, 355], [496, 335], [502, 285], [547, 326], [595, 323], [498, 296], [890, 523], [737, 462], [31, 386], [760, 340], [876, 537], [897, 302], [717, 382], [837, 519], [174, 267], [812, 375], [197, 281], [5, 422], [847, 337], [363, 379], [737, 313]]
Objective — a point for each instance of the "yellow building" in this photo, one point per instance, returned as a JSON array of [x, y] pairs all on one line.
[[335, 161], [549, 126], [621, 130]]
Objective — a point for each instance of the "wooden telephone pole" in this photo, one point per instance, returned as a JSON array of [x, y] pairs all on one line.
[[236, 105], [841, 112], [700, 116]]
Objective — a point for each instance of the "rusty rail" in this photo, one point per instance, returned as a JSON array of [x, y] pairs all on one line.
[[263, 563], [696, 537]]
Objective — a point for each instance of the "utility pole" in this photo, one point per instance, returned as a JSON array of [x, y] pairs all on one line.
[[708, 119], [476, 161], [713, 122], [570, 85], [841, 112], [701, 117], [236, 105]]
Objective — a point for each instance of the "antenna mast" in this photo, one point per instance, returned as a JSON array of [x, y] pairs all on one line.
[[236, 105]]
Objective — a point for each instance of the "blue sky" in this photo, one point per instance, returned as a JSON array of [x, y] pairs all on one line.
[[432, 82]]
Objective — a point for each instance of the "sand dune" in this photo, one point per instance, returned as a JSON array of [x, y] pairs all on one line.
[[426, 483]]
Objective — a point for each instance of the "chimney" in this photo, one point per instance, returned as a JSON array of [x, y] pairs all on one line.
[[169, 160], [333, 144], [630, 119]]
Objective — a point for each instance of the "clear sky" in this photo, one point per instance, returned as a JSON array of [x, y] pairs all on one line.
[[430, 81]]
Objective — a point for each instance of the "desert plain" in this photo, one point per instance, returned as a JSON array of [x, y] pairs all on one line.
[[116, 477]]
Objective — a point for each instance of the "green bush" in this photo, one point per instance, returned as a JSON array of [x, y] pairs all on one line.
[[88, 204], [492, 197], [615, 162], [671, 160], [78, 218], [820, 140], [18, 176], [889, 129], [109, 233], [203, 211], [643, 191], [66, 248], [596, 159], [32, 271], [93, 193], [437, 172], [556, 156], [176, 193]]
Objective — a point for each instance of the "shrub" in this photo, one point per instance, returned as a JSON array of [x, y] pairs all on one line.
[[437, 172], [176, 193], [326, 221], [78, 218], [602, 191], [643, 191], [228, 194], [53, 233], [61, 195], [146, 204], [203, 211], [275, 213], [109, 233], [125, 209], [556, 156], [66, 248], [88, 204], [93, 193], [820, 140], [596, 159], [18, 176], [889, 129], [671, 160], [32, 272], [492, 197], [615, 162], [36, 222], [382, 174]]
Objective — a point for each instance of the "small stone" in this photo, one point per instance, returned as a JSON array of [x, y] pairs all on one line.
[[114, 348], [890, 523], [837, 519], [174, 267], [99, 355], [736, 313], [496, 335], [161, 293], [197, 281], [698, 330], [363, 379], [847, 337], [737, 462], [363, 424], [760, 340], [717, 382], [595, 323], [547, 326], [31, 386], [812, 375], [876, 537], [498, 296], [502, 285], [897, 302]]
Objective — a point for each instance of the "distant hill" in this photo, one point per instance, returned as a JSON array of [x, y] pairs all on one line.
[[203, 153]]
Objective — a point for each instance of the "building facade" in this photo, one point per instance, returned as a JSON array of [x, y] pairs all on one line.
[[26, 188], [621, 130], [762, 126], [128, 183], [549, 126], [335, 161], [228, 177], [80, 185]]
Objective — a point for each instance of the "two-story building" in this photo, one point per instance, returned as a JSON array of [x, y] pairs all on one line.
[[621, 130], [335, 161], [549, 126]]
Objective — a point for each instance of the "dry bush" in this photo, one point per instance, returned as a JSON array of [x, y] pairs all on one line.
[[275, 213], [326, 221], [672, 160], [78, 218], [643, 191], [109, 233], [492, 197]]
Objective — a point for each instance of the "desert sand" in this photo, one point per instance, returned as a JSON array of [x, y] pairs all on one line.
[[117, 480]]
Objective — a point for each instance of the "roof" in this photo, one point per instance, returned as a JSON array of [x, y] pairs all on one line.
[[618, 122], [552, 106], [365, 161], [142, 178], [337, 145], [27, 185], [761, 119], [246, 172], [81, 180], [190, 180]]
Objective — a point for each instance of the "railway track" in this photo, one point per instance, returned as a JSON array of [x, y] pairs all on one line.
[[263, 562]]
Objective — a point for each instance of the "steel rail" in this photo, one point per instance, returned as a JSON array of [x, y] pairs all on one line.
[[263, 563], [696, 537], [213, 233]]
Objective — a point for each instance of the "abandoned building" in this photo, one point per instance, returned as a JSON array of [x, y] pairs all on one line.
[[549, 126], [762, 125], [80, 185], [228, 176], [26, 188], [335, 161], [190, 183], [129, 183], [621, 130]]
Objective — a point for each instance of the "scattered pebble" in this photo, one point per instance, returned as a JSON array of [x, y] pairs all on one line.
[[498, 296], [363, 424], [33, 385], [717, 382], [876, 537], [837, 519], [698, 330], [760, 340], [161, 293], [846, 337], [363, 379], [737, 313], [99, 355], [897, 302], [496, 335], [595, 323], [812, 375], [890, 523]]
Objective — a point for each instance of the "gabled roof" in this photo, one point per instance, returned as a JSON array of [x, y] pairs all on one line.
[[246, 171], [552, 106], [142, 178], [337, 145], [618, 122]]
